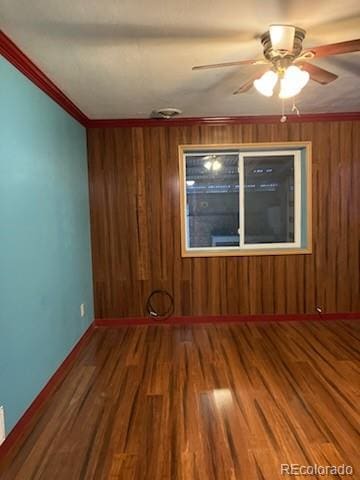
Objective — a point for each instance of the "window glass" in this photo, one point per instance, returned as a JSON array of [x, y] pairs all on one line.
[[212, 200], [269, 199], [246, 199]]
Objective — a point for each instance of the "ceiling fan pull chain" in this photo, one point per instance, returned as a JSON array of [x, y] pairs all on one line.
[[283, 116], [295, 109]]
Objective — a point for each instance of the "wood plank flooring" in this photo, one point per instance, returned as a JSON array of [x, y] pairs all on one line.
[[202, 402]]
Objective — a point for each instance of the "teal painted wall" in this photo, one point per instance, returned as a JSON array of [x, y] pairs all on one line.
[[45, 266]]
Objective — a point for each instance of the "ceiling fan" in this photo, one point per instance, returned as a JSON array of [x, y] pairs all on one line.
[[287, 63]]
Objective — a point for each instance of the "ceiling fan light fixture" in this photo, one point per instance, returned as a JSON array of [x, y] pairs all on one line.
[[212, 163], [282, 37], [293, 82], [266, 83]]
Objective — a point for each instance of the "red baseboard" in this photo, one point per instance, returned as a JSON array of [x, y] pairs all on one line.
[[184, 320], [20, 428]]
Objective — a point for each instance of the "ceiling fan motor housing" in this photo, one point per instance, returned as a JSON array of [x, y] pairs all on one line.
[[273, 55]]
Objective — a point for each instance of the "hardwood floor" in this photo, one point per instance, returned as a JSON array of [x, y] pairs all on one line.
[[201, 402]]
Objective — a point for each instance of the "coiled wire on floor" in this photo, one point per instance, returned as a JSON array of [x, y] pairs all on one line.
[[154, 312]]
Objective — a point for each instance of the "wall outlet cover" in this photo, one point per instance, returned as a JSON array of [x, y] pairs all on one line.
[[82, 309]]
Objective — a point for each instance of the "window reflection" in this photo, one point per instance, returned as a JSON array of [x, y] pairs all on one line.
[[212, 198], [269, 199]]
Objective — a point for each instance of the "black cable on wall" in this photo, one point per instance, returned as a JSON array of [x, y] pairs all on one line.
[[156, 314]]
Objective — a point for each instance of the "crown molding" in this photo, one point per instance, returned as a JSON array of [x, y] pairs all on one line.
[[26, 66], [22, 62], [189, 121]]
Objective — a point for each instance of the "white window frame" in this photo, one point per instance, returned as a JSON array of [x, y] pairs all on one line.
[[297, 199], [243, 151]]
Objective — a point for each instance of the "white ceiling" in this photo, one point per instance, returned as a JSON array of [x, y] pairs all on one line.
[[124, 58]]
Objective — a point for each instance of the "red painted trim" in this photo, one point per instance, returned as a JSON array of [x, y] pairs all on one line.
[[189, 121], [23, 63], [21, 427], [178, 320]]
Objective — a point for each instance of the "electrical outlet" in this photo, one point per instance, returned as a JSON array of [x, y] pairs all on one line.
[[82, 309], [2, 425]]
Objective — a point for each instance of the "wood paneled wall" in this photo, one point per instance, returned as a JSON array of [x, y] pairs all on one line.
[[135, 215]]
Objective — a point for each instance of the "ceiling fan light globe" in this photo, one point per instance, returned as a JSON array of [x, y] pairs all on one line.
[[266, 83], [288, 91], [305, 77], [297, 76], [293, 82], [282, 37]]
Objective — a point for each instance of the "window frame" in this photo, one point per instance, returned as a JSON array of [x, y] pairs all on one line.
[[243, 150], [297, 199]]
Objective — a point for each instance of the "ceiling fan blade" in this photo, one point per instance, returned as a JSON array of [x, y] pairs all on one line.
[[230, 64], [335, 48], [318, 74], [245, 87]]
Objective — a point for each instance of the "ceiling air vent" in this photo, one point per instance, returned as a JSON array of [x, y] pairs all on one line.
[[166, 113]]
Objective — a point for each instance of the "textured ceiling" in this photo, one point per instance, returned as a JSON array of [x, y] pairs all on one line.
[[124, 58]]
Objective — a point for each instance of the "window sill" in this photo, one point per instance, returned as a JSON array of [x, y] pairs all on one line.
[[245, 253]]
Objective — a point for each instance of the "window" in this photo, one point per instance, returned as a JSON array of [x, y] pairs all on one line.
[[245, 199]]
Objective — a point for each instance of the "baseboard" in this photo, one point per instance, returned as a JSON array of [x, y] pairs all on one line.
[[21, 426], [185, 320]]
